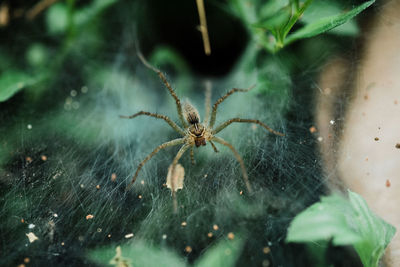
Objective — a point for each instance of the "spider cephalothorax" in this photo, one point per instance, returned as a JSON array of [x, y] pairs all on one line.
[[196, 133], [196, 129]]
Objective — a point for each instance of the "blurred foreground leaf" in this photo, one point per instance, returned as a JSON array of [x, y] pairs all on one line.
[[138, 254], [225, 253], [13, 81], [345, 223], [325, 24]]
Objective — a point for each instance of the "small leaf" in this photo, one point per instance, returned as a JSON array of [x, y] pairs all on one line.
[[322, 9], [277, 21], [325, 24], [175, 177], [13, 81], [224, 253]]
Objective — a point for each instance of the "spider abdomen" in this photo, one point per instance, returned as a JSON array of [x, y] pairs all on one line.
[[191, 114]]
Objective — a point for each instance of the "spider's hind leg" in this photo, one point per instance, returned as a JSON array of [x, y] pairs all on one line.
[[239, 159]]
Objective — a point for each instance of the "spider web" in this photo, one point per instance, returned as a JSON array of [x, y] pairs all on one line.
[[70, 157]]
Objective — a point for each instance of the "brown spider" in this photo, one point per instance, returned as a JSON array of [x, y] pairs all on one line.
[[195, 133]]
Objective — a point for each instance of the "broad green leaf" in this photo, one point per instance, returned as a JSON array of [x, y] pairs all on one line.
[[324, 220], [13, 81], [345, 223], [376, 232], [325, 24], [224, 254], [136, 254]]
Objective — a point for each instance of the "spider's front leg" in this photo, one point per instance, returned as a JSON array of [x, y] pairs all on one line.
[[192, 156], [165, 145], [180, 153]]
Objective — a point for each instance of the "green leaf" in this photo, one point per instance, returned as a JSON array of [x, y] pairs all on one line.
[[13, 81], [323, 221], [326, 8], [224, 253], [136, 254], [325, 24], [376, 232], [345, 223]]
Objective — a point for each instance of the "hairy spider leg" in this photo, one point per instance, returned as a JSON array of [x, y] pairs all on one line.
[[162, 146], [166, 83], [213, 146], [192, 156], [238, 158], [180, 153], [221, 99], [228, 122], [207, 103], [158, 116]]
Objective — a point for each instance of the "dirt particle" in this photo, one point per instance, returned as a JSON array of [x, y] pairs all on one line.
[[188, 249], [366, 97], [265, 263], [396, 102], [231, 236], [28, 159], [129, 235], [266, 250], [388, 184], [398, 146], [32, 237], [376, 139], [313, 129]]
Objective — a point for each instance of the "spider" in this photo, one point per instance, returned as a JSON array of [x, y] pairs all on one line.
[[194, 133]]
